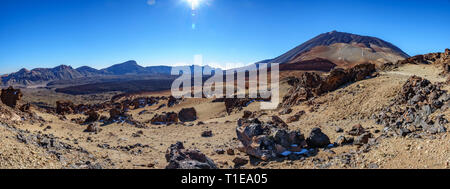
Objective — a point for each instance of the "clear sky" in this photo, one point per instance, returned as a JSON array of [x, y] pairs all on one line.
[[99, 33]]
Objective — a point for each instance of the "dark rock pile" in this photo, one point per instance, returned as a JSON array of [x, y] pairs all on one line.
[[267, 141], [410, 114], [180, 158]]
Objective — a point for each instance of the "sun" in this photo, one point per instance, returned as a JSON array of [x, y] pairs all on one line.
[[194, 3]]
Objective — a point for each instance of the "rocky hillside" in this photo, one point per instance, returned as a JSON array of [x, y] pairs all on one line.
[[343, 49], [358, 117]]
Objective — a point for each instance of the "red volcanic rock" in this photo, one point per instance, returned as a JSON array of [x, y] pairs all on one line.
[[173, 101], [116, 112], [93, 116], [317, 64], [310, 84], [65, 107], [279, 122], [165, 118], [296, 117], [10, 96]]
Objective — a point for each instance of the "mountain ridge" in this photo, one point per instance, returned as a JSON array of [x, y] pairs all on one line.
[[38, 76]]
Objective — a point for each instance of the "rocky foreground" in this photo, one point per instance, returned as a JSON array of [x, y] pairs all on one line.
[[392, 116]]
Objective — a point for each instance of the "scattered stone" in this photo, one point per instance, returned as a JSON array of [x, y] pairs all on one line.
[[279, 122], [180, 158], [230, 151], [286, 111], [92, 128], [220, 151], [296, 117], [240, 161], [165, 118], [363, 139], [207, 134], [248, 114], [342, 140], [356, 130]]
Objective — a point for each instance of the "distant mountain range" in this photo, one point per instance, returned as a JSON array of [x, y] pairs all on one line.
[[39, 76], [322, 53], [342, 49]]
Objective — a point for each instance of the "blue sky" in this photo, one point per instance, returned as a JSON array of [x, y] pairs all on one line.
[[99, 33]]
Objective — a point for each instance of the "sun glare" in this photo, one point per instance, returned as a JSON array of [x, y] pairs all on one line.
[[194, 3]]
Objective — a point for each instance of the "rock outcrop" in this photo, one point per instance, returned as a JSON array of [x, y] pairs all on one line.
[[11, 96], [311, 85]]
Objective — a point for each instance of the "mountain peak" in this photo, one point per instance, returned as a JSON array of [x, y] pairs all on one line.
[[63, 67], [130, 62], [343, 48]]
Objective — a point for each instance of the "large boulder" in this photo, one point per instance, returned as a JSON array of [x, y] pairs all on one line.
[[187, 115], [317, 139], [180, 158], [11, 96]]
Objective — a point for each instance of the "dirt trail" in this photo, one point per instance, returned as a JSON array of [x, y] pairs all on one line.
[[425, 71]]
